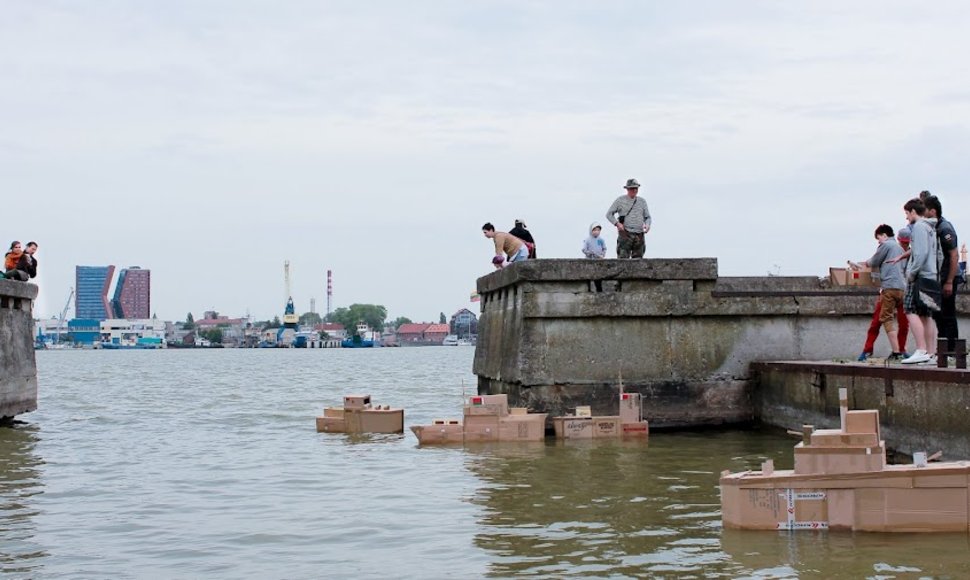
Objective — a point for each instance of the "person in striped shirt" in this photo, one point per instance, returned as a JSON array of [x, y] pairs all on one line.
[[631, 217]]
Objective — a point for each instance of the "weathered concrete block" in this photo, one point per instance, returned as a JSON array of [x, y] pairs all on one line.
[[668, 326], [920, 408], [18, 368]]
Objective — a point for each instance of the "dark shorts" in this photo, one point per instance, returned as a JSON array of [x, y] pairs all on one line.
[[922, 297]]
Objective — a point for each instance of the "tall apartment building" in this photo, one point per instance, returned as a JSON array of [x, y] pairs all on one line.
[[133, 293], [91, 287]]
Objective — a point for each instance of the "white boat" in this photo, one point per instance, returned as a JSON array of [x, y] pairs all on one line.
[[450, 340]]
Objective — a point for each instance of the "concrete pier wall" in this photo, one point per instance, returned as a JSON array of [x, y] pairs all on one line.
[[672, 329], [18, 369], [920, 408]]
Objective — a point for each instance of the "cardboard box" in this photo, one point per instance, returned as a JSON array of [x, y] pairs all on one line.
[[860, 278], [836, 438], [356, 401], [837, 276], [379, 421], [630, 408], [862, 422], [641, 429], [522, 427], [494, 405], [358, 416], [331, 425], [481, 428], [440, 433]]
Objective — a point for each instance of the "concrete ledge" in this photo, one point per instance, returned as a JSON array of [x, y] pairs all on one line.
[[920, 408], [558, 270], [18, 368], [15, 289]]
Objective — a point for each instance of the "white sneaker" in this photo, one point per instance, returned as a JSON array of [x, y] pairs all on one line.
[[919, 356]]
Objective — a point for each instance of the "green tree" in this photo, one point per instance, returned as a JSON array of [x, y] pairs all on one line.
[[309, 318], [371, 314], [275, 322], [397, 322], [442, 319], [213, 335], [189, 322]]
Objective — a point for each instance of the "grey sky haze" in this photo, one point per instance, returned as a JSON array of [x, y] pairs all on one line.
[[211, 140]]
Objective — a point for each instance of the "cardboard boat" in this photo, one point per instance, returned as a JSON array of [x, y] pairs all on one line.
[[583, 425], [358, 415], [487, 418], [841, 481]]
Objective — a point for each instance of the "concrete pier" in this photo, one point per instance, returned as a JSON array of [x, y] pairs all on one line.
[[673, 329], [18, 369]]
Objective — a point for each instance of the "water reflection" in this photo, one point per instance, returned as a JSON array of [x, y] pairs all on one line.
[[19, 482], [850, 555], [635, 509]]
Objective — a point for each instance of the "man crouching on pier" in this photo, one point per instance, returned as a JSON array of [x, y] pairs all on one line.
[[506, 245]]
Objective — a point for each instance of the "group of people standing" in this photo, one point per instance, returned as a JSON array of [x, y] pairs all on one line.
[[919, 275], [629, 214], [19, 262]]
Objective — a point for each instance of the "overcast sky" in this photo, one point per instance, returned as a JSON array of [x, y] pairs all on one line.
[[211, 140]]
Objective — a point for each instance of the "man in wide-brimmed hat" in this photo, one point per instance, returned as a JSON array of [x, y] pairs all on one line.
[[631, 217]]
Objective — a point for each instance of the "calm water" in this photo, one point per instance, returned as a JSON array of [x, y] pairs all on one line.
[[206, 464]]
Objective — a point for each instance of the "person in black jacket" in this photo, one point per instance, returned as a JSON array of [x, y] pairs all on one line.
[[28, 263], [523, 234]]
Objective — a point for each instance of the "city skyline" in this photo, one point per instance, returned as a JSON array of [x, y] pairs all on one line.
[[210, 141]]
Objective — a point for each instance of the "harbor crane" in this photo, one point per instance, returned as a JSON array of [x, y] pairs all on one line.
[[63, 319], [287, 333]]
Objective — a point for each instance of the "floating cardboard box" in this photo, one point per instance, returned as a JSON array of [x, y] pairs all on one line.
[[488, 418], [358, 415], [841, 481], [629, 422]]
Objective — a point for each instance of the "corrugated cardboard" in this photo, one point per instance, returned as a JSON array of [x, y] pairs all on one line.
[[356, 401], [837, 276], [530, 427], [862, 422], [440, 433], [357, 416], [481, 428], [587, 427], [630, 408], [382, 421], [860, 278], [641, 429], [841, 481]]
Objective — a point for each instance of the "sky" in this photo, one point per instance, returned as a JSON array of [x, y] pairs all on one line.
[[211, 140]]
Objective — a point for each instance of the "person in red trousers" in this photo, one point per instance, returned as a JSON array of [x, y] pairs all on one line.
[[903, 237]]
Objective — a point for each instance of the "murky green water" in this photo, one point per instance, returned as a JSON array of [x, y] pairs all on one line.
[[206, 464]]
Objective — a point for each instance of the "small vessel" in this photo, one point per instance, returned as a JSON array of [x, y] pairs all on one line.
[[358, 415], [450, 340], [583, 425], [142, 343], [364, 337], [841, 481], [486, 418]]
